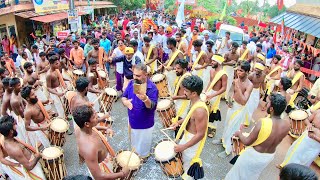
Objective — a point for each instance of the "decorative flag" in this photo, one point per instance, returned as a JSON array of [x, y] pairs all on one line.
[[180, 14], [280, 4], [239, 11], [275, 37], [224, 12], [282, 26]]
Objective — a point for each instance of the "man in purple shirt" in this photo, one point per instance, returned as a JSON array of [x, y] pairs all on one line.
[[67, 46], [141, 110]]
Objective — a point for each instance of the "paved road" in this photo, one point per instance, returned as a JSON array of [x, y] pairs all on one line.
[[215, 168]]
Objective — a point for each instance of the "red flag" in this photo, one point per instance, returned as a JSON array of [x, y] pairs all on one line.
[[280, 4], [229, 2], [261, 24], [239, 11], [275, 37]]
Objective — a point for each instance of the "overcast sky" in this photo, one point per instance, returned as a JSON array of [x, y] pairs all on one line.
[[287, 3]]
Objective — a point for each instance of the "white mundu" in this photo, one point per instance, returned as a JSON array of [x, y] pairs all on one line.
[[303, 151]]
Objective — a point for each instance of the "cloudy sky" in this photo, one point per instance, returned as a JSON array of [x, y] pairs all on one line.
[[287, 3]]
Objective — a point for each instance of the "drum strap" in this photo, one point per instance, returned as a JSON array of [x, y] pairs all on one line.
[[149, 53], [101, 83], [62, 83], [197, 60], [105, 142], [199, 104], [154, 63], [274, 70], [173, 57], [292, 99], [43, 110], [26, 145]]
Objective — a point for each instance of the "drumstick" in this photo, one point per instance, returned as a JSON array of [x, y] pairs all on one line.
[[162, 130], [37, 150], [130, 157], [97, 98]]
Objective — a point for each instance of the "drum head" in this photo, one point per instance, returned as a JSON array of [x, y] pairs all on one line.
[[102, 74], [163, 104], [157, 77], [298, 115], [110, 91], [123, 157], [78, 72], [203, 97], [52, 152], [164, 151], [59, 125]]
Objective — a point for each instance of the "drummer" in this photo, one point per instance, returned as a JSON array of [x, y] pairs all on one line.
[[214, 92], [182, 104], [31, 78], [43, 67], [36, 118], [80, 98], [93, 88], [97, 53], [56, 85], [77, 57], [307, 147], [96, 152], [17, 152]]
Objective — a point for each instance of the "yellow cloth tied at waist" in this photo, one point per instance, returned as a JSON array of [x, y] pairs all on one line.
[[199, 104], [217, 77], [264, 133], [154, 63], [184, 103], [246, 122]]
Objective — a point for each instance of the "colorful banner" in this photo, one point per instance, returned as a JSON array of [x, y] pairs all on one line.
[[63, 34], [42, 6]]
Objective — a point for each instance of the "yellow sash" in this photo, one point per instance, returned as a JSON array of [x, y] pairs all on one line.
[[296, 78], [217, 77], [315, 107], [264, 133], [179, 83], [244, 54], [274, 70], [173, 57], [197, 60], [153, 64], [199, 104]]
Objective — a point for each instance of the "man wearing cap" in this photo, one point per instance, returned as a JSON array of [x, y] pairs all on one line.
[[128, 63], [214, 92], [257, 78]]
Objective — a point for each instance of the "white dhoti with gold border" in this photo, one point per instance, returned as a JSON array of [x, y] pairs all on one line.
[[230, 73], [93, 98], [38, 136], [253, 101], [141, 140]]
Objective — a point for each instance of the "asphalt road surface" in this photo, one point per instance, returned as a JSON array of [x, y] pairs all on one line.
[[215, 168]]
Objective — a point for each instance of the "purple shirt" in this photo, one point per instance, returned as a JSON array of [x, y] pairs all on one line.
[[67, 49], [140, 117]]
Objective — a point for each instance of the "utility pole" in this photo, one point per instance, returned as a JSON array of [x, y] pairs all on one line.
[[73, 25]]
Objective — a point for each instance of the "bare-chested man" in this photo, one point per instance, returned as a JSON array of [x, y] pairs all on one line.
[[273, 77], [182, 104], [95, 151], [231, 59], [97, 53], [237, 112], [194, 126], [93, 88], [56, 85], [36, 118], [210, 45], [244, 51], [150, 53], [253, 58], [18, 152], [43, 67], [261, 147], [182, 45], [4, 66], [173, 56], [297, 78], [307, 147], [5, 105], [2, 76], [257, 78], [214, 92], [200, 65]]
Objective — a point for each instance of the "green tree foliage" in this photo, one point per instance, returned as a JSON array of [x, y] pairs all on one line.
[[129, 4], [273, 11]]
